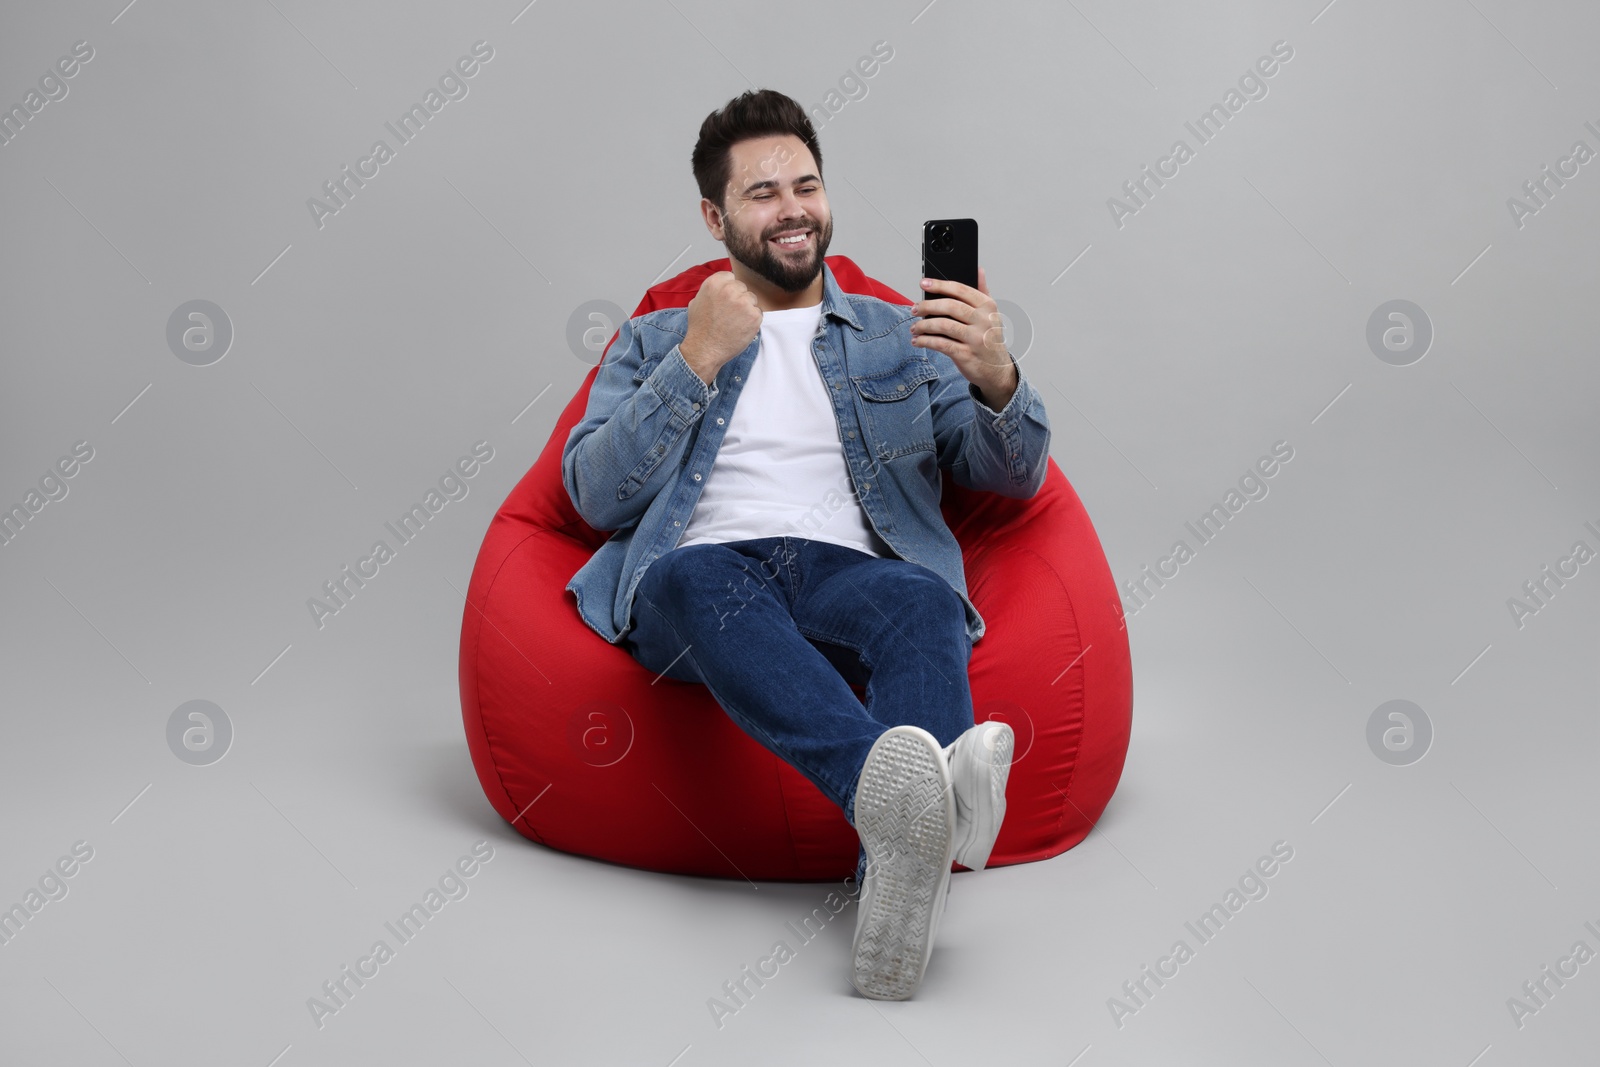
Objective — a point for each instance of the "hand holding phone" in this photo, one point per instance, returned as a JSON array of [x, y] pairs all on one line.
[[974, 341]]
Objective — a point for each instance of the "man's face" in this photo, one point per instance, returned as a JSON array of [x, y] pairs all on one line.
[[773, 190]]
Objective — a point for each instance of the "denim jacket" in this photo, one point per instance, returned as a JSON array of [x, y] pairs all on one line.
[[637, 460]]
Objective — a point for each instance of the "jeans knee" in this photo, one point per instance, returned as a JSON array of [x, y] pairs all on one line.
[[932, 601]]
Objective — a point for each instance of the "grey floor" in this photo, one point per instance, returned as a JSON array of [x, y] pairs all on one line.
[[445, 304]]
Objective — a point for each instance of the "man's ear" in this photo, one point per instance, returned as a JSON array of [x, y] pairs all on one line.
[[713, 218]]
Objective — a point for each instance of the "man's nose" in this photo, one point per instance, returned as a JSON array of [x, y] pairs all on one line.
[[790, 206]]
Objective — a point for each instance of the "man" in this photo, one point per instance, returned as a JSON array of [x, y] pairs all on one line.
[[770, 459]]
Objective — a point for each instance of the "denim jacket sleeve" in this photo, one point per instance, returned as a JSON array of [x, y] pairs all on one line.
[[1006, 451], [634, 428]]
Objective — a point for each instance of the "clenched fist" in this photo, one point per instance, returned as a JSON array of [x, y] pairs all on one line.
[[724, 318]]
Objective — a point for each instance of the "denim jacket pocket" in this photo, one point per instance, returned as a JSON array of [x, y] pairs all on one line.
[[897, 407]]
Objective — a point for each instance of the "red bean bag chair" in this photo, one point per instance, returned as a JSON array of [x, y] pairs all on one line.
[[584, 750]]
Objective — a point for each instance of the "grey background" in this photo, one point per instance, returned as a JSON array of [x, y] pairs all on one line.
[[367, 355]]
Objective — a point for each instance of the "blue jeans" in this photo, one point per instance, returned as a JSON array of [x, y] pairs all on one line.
[[779, 628]]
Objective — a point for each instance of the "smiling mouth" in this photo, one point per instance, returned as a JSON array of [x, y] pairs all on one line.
[[805, 241]]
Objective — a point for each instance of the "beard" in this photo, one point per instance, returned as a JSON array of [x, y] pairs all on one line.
[[789, 271]]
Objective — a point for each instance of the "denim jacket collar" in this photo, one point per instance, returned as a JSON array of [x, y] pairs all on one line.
[[834, 302]]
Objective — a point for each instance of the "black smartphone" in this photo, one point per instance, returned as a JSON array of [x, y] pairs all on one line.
[[950, 251]]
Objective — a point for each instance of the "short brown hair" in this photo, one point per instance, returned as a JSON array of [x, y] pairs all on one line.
[[754, 113]]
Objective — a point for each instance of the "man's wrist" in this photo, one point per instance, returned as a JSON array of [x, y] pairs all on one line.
[[695, 366], [998, 396]]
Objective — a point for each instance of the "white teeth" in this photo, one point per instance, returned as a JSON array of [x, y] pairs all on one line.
[[791, 240]]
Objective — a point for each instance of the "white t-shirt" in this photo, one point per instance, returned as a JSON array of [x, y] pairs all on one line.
[[781, 468]]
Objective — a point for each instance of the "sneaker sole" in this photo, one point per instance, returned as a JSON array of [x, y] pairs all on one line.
[[905, 815], [987, 781]]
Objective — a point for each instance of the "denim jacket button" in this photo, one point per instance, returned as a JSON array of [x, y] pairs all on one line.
[[697, 477], [851, 433], [719, 422]]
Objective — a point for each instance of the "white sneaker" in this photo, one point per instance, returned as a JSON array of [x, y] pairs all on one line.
[[905, 814], [980, 763]]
